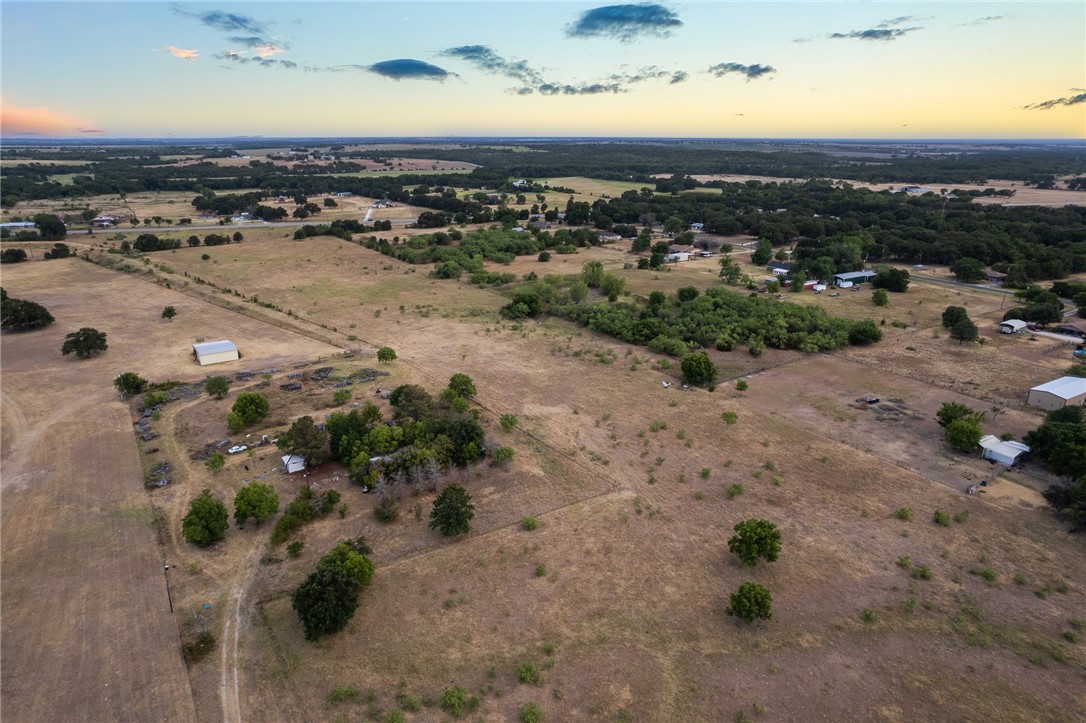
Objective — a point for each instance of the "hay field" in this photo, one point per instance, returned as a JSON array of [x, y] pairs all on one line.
[[86, 622], [635, 488]]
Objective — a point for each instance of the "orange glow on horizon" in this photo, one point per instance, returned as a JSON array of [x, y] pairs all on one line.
[[16, 121]]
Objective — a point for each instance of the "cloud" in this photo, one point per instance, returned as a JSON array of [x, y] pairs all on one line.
[[1056, 102], [580, 89], [885, 34], [406, 69], [625, 22], [750, 71], [485, 59], [38, 121], [239, 57], [679, 76], [182, 53], [261, 46], [90, 130], [228, 22], [981, 21]]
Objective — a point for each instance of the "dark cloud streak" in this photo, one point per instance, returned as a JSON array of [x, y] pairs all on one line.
[[880, 33], [407, 69], [1057, 102], [751, 72], [625, 22]]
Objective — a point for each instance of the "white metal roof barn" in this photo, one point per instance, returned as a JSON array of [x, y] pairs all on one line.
[[215, 352]]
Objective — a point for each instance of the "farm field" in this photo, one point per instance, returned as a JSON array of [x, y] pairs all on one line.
[[86, 621], [619, 597]]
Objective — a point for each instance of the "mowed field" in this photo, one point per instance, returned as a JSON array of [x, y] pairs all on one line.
[[87, 630], [619, 597]]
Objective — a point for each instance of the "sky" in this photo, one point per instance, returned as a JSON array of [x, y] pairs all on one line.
[[849, 70]]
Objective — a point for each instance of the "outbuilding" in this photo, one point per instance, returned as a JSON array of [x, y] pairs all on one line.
[[1072, 328], [215, 352], [1000, 452], [1059, 393], [853, 277], [293, 463], [1012, 326]]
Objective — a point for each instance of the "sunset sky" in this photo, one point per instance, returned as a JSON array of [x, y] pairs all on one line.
[[689, 69]]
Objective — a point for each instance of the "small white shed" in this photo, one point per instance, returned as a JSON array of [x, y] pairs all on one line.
[[1012, 326], [293, 463], [215, 352], [1001, 452]]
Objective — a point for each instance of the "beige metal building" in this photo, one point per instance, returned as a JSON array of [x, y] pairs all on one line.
[[215, 352], [1059, 393]]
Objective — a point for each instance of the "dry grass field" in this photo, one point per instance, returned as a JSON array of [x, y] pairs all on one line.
[[619, 597]]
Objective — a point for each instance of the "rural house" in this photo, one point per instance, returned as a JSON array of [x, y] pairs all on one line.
[[1058, 393], [681, 249], [780, 268], [994, 277], [1073, 328], [1012, 326], [215, 352], [996, 450]]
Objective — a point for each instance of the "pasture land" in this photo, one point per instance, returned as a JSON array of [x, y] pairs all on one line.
[[619, 597]]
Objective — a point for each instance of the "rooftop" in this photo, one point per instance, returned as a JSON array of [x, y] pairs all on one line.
[[214, 347], [1064, 387]]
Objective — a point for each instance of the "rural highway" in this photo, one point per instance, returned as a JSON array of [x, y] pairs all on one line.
[[232, 226]]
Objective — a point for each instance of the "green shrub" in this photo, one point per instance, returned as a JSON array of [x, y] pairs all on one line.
[[341, 694], [903, 513], [529, 523], [734, 491], [530, 713], [729, 417], [941, 518], [508, 421], [295, 548], [153, 399], [530, 673], [455, 701]]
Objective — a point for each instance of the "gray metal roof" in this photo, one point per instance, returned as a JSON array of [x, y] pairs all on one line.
[[855, 275], [214, 347]]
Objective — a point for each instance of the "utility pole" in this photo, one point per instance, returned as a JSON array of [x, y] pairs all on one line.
[[166, 574]]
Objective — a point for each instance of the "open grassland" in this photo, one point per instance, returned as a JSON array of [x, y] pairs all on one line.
[[619, 597]]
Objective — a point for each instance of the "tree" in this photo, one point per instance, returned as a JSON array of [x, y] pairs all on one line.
[[306, 440], [22, 315], [452, 512], [217, 387], [12, 256], [169, 313], [968, 270], [953, 314], [206, 521], [762, 253], [863, 333], [752, 601], [257, 501], [964, 434], [462, 386], [129, 384], [248, 408], [386, 354], [503, 456], [964, 330], [326, 601], [755, 538], [347, 557], [330, 203], [50, 227], [879, 298], [891, 279], [953, 411], [215, 461], [1069, 499], [84, 343], [238, 237], [698, 369], [411, 400], [1060, 441]]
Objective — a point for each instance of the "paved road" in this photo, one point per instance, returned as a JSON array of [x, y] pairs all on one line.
[[233, 226]]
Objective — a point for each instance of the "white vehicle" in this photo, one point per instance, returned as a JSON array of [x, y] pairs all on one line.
[[237, 448]]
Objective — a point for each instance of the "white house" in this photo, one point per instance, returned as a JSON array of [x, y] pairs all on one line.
[[293, 463], [697, 227], [215, 352], [676, 257], [1001, 452], [1012, 326]]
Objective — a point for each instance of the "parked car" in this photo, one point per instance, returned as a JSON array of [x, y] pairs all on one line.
[[1031, 327], [237, 448], [1079, 354]]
